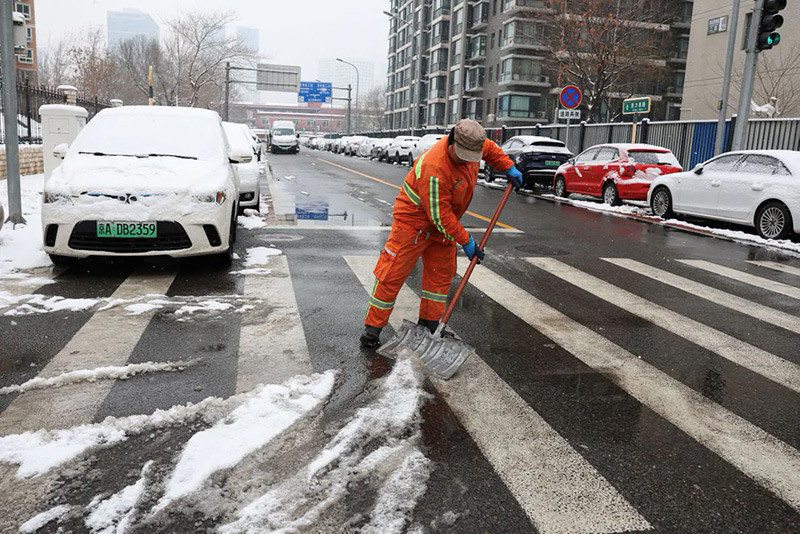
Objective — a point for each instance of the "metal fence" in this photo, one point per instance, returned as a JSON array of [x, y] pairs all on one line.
[[692, 142], [30, 99]]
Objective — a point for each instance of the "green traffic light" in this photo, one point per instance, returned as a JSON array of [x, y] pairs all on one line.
[[775, 38]]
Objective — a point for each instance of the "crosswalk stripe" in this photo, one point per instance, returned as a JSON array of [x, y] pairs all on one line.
[[747, 307], [757, 360], [272, 344], [555, 486], [757, 281], [108, 338], [782, 267], [769, 461]]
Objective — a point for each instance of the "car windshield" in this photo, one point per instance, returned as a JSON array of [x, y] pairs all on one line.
[[652, 157], [282, 131], [151, 135]]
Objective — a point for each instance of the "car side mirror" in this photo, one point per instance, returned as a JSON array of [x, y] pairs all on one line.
[[60, 150], [698, 169], [571, 161], [240, 157]]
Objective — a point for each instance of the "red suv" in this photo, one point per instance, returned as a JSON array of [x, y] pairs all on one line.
[[615, 172]]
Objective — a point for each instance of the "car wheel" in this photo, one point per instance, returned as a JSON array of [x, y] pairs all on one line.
[[61, 261], [611, 195], [661, 203], [488, 173], [398, 159], [774, 221], [560, 188]]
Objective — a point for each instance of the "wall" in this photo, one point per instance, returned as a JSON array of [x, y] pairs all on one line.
[[31, 160]]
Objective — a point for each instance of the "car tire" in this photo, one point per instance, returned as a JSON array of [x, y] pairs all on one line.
[[488, 172], [661, 203], [560, 187], [611, 194], [62, 261], [774, 221], [398, 158]]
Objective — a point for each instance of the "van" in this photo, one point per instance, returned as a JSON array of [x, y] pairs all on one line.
[[284, 138]]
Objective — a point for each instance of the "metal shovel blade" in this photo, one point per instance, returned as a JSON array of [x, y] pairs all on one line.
[[442, 356]]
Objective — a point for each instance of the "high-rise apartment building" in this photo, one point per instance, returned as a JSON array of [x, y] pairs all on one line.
[[488, 60], [27, 61], [130, 23]]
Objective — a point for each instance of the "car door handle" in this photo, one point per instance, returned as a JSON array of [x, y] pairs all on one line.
[[716, 183], [757, 187]]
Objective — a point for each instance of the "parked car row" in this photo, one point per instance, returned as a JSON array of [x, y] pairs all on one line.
[[401, 149], [150, 181]]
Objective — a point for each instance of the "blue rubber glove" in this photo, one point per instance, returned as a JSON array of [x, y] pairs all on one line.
[[514, 176], [471, 249]]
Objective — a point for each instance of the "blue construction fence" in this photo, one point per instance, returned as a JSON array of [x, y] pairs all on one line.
[[692, 142]]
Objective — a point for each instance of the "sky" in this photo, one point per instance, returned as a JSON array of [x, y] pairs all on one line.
[[292, 32]]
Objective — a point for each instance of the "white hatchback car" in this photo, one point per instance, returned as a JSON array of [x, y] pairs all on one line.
[[240, 141], [400, 148], [144, 181], [424, 143], [758, 188]]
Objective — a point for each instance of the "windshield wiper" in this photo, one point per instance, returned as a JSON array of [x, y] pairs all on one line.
[[104, 154], [164, 156]]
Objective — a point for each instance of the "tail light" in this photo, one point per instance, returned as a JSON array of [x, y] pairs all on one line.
[[628, 170]]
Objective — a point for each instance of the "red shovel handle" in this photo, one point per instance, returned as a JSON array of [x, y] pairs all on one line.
[[474, 262]]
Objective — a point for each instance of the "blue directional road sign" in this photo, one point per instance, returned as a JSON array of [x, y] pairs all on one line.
[[315, 92]]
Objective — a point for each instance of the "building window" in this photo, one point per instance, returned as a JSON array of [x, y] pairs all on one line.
[[523, 34], [324, 124], [27, 57], [458, 21], [519, 106], [25, 9], [473, 110], [521, 70], [29, 34], [455, 81], [453, 111]]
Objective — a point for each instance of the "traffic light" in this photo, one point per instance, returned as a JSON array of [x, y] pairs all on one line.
[[770, 21]]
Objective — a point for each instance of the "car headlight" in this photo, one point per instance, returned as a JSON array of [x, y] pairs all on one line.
[[51, 198], [218, 197]]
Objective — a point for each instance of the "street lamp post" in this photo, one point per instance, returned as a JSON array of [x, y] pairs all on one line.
[[358, 88]]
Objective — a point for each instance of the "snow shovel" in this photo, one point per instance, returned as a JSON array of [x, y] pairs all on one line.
[[442, 356]]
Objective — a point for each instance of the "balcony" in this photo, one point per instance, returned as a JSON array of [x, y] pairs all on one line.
[[473, 83], [442, 13], [477, 54], [480, 17], [436, 120], [440, 38], [454, 89], [522, 41], [438, 68], [437, 94], [510, 78], [509, 6]]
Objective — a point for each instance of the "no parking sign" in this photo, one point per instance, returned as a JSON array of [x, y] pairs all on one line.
[[571, 97]]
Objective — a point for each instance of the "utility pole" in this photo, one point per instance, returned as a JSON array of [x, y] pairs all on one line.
[[349, 109], [227, 90], [733, 24], [746, 96], [10, 110]]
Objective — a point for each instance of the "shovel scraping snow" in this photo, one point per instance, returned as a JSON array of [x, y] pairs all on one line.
[[442, 355]]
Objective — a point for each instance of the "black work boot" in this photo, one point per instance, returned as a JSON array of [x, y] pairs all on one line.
[[371, 337], [429, 324]]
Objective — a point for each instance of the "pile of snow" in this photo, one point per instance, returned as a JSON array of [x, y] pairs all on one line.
[[38, 521], [379, 445], [738, 235], [93, 375], [260, 255], [253, 219], [204, 307], [248, 428], [21, 247], [115, 514], [30, 304]]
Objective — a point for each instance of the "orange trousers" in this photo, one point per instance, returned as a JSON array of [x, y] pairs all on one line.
[[398, 258]]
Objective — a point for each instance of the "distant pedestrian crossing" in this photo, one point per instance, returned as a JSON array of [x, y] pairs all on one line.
[[559, 487]]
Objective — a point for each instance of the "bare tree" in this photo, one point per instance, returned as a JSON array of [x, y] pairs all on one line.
[[54, 62], [612, 49], [371, 110], [92, 66], [776, 78], [195, 52], [134, 57]]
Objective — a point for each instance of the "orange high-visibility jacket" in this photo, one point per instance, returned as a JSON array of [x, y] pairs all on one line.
[[436, 192]]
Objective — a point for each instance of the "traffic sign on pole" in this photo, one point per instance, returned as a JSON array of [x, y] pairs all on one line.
[[569, 114], [634, 106], [315, 92], [571, 97]]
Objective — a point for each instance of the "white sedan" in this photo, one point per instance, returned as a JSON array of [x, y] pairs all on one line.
[[400, 148], [424, 143], [240, 141], [754, 188], [144, 181]]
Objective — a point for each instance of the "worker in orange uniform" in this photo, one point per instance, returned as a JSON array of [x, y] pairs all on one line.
[[427, 212]]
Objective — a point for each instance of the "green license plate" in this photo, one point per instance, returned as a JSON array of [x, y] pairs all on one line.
[[127, 229], [553, 163]]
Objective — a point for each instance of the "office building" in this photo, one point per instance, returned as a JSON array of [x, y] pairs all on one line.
[[777, 72], [249, 36], [130, 23], [487, 60], [27, 60]]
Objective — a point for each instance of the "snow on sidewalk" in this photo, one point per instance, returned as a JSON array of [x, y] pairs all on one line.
[[116, 513], [380, 443], [21, 247]]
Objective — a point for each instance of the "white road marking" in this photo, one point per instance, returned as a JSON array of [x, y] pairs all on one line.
[[107, 339], [769, 461], [757, 281], [782, 267], [272, 345], [747, 307], [757, 360], [555, 486]]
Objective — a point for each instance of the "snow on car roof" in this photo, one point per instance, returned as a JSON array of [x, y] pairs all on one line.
[[530, 139], [161, 111], [634, 146], [791, 158]]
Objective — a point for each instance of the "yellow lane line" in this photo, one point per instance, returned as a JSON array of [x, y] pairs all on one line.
[[384, 182]]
